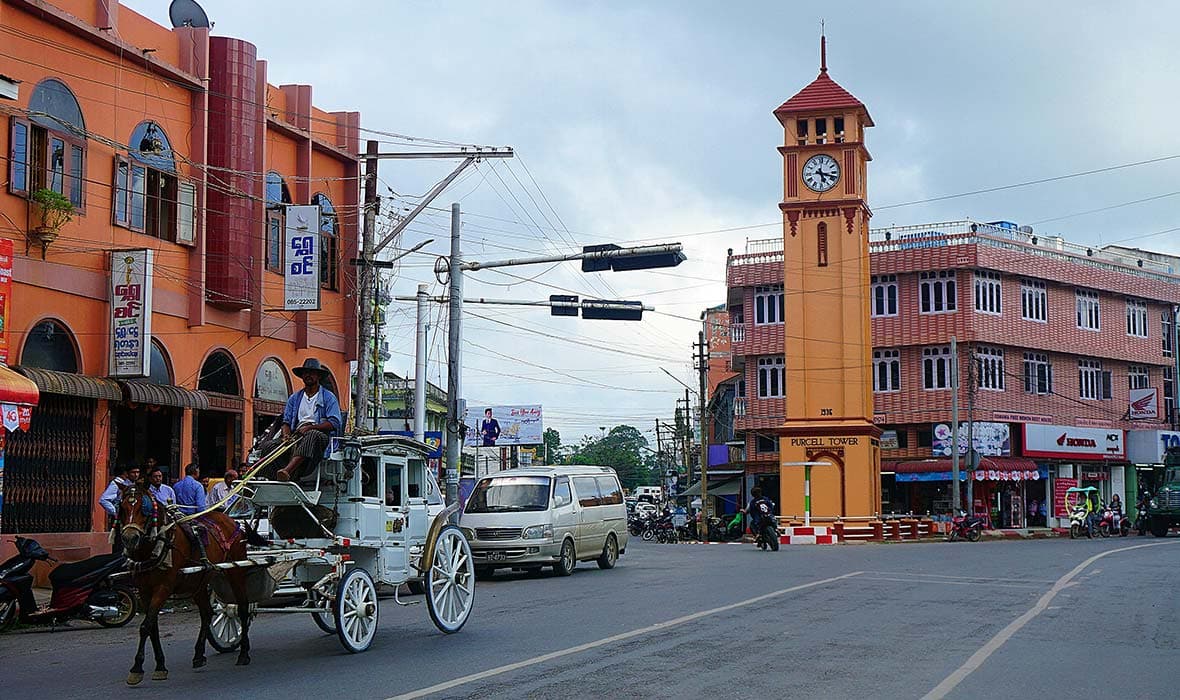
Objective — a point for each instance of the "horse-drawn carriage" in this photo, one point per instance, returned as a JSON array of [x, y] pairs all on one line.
[[359, 526]]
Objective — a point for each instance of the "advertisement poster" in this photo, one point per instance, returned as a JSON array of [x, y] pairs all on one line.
[[991, 439], [301, 268], [433, 438], [1060, 486], [131, 312], [1068, 442], [1144, 404], [5, 295], [498, 426]]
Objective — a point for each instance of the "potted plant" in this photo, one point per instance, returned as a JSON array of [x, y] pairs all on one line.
[[54, 211]]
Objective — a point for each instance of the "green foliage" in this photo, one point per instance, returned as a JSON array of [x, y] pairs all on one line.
[[56, 208], [625, 450], [552, 445]]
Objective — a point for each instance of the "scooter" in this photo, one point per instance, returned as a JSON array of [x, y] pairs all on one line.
[[81, 590], [1113, 524], [1079, 523], [966, 527]]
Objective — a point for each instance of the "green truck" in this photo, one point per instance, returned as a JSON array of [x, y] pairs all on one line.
[[1163, 507]]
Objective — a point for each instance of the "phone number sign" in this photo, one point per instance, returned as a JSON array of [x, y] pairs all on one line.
[[131, 312]]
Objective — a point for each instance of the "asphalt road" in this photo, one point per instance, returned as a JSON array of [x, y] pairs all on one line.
[[1009, 619]]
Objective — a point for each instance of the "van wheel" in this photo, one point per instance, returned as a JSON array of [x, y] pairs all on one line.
[[610, 553], [567, 561]]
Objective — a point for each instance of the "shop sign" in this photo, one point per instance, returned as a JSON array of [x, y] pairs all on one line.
[[1095, 476], [1060, 486], [991, 439], [1150, 446], [889, 440], [131, 312], [301, 271], [1011, 417], [1069, 442], [5, 295], [1144, 404]]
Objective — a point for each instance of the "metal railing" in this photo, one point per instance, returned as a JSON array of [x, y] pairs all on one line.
[[739, 406]]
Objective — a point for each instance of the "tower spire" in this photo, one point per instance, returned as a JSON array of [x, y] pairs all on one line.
[[823, 49]]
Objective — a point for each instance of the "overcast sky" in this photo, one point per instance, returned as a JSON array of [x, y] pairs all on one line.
[[651, 121]]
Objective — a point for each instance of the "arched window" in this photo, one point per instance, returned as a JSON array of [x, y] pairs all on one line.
[[159, 372], [49, 346], [277, 195], [219, 374], [821, 242], [49, 148], [149, 197], [329, 238]]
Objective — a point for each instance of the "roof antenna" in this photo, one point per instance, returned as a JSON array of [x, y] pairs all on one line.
[[823, 49]]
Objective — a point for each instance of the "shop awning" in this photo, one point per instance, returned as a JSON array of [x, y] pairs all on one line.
[[66, 383], [998, 464], [17, 389], [729, 487], [164, 395]]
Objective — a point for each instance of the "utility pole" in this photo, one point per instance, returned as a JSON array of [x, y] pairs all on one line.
[[420, 366], [702, 356], [955, 500], [454, 362], [364, 285]]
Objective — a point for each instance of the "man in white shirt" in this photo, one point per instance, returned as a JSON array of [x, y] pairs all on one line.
[[312, 413], [221, 490], [109, 500]]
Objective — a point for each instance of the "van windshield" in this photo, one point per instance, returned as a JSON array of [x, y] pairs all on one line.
[[510, 494]]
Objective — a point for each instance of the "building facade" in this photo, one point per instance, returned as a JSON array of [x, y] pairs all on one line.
[[178, 158], [1065, 354]]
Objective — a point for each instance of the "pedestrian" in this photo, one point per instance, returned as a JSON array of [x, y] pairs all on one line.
[[162, 492], [190, 495], [109, 500], [312, 413], [220, 495]]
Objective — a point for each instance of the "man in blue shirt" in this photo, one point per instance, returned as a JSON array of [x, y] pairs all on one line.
[[161, 491], [190, 495], [313, 414]]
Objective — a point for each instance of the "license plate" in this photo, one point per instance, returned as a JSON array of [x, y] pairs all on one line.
[[495, 556]]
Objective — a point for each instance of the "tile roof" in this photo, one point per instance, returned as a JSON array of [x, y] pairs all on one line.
[[822, 93]]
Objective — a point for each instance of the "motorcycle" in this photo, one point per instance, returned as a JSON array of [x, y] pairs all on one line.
[[1141, 523], [967, 527], [81, 590], [767, 535], [722, 531], [1079, 523], [1113, 524]]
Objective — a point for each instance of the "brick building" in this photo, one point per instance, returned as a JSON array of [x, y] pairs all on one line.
[[176, 153], [1058, 346]]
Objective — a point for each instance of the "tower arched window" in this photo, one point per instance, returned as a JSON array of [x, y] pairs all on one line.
[[277, 197], [821, 243], [149, 196], [329, 242], [48, 149]]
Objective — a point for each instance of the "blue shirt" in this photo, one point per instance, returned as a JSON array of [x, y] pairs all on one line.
[[163, 493], [190, 495], [328, 409]]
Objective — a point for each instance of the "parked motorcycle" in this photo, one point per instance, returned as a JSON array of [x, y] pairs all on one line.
[[1141, 524], [81, 590], [1079, 523], [1113, 524], [966, 527]]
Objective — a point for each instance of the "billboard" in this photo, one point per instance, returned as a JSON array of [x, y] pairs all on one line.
[[131, 312], [301, 269], [504, 425], [1144, 405], [991, 439], [1068, 442]]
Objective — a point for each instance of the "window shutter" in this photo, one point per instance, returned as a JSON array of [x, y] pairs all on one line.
[[1106, 382], [186, 213], [119, 203], [19, 135]]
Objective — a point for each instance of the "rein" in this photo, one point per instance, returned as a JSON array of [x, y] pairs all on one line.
[[246, 478]]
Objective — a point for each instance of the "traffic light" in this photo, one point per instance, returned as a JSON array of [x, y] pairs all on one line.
[[563, 305], [644, 257], [601, 309]]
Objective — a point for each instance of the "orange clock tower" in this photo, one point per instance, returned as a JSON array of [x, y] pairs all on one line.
[[829, 404]]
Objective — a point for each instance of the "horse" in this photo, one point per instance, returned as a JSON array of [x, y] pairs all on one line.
[[157, 547]]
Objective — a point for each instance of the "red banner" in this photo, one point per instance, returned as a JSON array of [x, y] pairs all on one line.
[[5, 295], [1060, 486]]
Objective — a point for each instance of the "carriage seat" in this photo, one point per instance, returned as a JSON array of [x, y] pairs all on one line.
[[282, 493]]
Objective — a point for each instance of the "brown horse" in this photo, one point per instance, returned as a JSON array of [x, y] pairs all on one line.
[[158, 547]]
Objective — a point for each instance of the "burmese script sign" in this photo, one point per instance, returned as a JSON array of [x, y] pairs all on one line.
[[131, 312]]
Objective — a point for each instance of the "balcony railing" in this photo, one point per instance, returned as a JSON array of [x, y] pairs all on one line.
[[737, 332], [739, 406]]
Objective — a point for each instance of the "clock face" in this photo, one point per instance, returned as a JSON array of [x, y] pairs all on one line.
[[821, 173]]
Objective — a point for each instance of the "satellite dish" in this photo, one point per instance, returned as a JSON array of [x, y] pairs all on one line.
[[187, 13]]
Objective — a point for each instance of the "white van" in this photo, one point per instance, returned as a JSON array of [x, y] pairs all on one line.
[[546, 516]]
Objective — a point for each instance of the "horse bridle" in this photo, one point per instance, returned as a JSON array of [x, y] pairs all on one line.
[[157, 536]]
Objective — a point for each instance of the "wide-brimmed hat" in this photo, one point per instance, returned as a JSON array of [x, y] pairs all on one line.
[[310, 365]]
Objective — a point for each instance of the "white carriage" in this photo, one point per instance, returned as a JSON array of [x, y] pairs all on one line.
[[361, 526]]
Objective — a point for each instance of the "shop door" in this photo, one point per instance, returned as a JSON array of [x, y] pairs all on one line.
[[148, 431], [218, 441], [48, 470]]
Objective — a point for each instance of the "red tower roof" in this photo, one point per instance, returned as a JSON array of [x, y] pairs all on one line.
[[823, 93]]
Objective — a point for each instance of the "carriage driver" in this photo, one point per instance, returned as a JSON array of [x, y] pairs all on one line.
[[312, 413]]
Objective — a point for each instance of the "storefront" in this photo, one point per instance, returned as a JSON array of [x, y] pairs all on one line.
[[18, 397], [1008, 491], [1078, 457], [217, 429], [1145, 451]]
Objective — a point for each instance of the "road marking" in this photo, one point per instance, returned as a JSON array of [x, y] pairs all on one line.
[[464, 680], [952, 583], [961, 578], [976, 660]]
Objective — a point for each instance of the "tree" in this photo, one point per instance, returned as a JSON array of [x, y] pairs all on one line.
[[625, 450], [551, 445]]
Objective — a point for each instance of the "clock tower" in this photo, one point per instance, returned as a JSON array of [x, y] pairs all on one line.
[[829, 400]]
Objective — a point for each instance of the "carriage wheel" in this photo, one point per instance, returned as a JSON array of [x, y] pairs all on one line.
[[325, 622], [450, 582], [225, 629], [356, 610]]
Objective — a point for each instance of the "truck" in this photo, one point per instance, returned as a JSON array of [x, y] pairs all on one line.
[[1163, 507]]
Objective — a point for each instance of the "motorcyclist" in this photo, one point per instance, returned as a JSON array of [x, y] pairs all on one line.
[[760, 510]]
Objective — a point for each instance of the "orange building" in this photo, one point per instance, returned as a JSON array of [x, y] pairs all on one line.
[[169, 141]]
